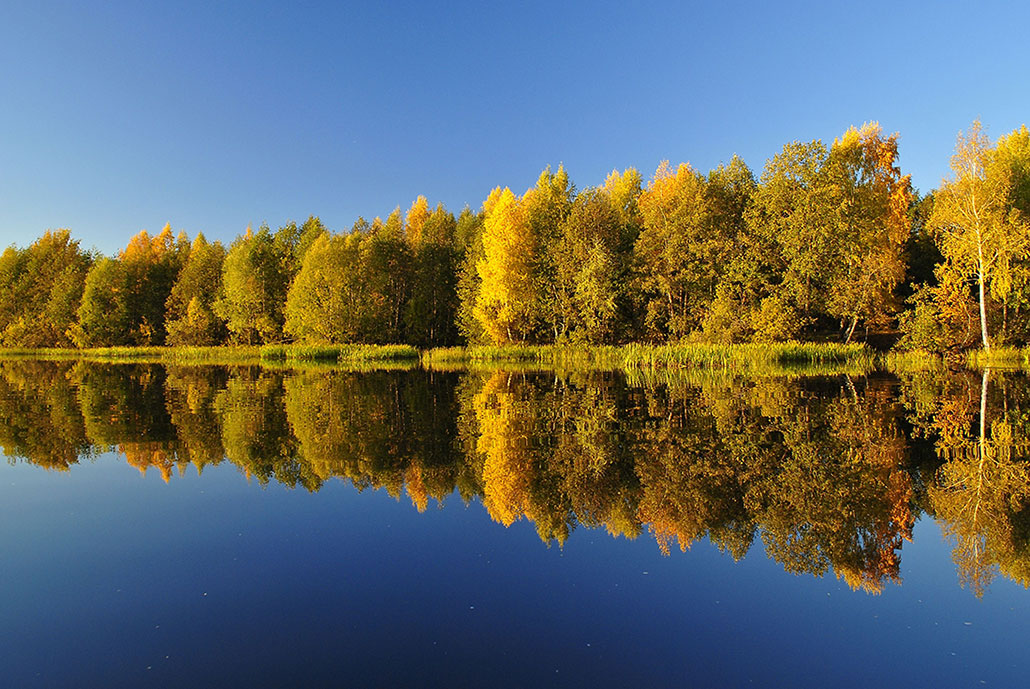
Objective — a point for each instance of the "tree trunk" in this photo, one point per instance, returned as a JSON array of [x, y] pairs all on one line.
[[983, 306], [851, 330]]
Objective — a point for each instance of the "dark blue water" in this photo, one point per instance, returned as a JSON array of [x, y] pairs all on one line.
[[113, 579], [116, 579]]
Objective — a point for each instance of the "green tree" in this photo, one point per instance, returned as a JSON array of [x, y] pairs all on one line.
[[190, 316], [311, 230], [254, 289], [469, 240], [588, 270], [40, 291], [386, 272], [103, 315], [545, 208], [325, 302], [789, 243]]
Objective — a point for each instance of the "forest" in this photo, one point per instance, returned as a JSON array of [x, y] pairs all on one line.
[[826, 244]]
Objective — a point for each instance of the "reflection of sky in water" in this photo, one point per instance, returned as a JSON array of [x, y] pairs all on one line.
[[111, 579]]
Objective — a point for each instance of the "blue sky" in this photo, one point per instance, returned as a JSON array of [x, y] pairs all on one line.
[[116, 117]]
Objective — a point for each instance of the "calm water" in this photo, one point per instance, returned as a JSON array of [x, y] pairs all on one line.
[[244, 527]]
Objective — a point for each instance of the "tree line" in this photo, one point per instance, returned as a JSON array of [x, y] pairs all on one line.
[[828, 242]]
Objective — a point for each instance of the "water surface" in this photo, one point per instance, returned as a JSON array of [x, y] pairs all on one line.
[[212, 526]]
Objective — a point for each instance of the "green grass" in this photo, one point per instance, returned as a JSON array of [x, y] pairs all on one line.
[[913, 361], [269, 355], [745, 358], [753, 358], [999, 357], [354, 353]]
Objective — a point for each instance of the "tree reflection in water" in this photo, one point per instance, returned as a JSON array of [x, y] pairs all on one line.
[[829, 473]]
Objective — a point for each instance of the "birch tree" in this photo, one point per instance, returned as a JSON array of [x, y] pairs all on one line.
[[981, 233]]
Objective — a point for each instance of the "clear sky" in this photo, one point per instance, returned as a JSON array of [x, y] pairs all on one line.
[[117, 117]]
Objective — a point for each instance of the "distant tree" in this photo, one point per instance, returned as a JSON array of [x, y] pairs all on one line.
[[325, 302], [103, 315], [191, 320], [253, 289], [469, 240], [415, 221], [432, 305], [40, 291], [151, 267], [311, 230]]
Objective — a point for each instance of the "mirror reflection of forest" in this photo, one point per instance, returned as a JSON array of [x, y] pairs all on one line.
[[828, 474]]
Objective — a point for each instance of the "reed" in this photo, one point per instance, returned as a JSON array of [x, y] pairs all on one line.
[[999, 357], [269, 355], [913, 361], [751, 357]]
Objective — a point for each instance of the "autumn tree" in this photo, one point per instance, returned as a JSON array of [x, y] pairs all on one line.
[[151, 267], [386, 265], [869, 202], [103, 314], [432, 305], [685, 245], [982, 231], [507, 303], [190, 316], [253, 288], [325, 303], [40, 291], [469, 242]]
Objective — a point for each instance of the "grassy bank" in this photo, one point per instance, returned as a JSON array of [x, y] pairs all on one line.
[[745, 358], [268, 355], [801, 358], [999, 357]]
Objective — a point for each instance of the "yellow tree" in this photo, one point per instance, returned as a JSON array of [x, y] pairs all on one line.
[[983, 489], [624, 190], [415, 222], [681, 251], [869, 198], [981, 233], [506, 303]]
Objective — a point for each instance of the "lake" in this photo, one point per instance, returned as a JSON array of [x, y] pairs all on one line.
[[246, 526]]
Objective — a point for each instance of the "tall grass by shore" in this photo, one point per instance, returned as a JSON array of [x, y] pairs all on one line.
[[268, 355], [999, 357], [802, 358], [745, 358]]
